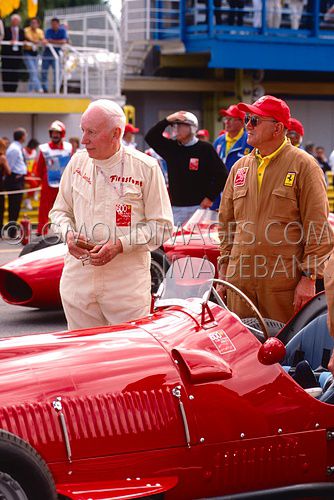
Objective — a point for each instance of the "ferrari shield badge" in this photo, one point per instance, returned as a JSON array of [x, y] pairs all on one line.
[[290, 179], [240, 177]]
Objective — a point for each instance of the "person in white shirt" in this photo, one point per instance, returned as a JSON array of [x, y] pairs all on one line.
[[112, 209], [15, 181]]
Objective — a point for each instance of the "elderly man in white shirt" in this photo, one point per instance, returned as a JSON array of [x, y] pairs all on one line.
[[112, 209]]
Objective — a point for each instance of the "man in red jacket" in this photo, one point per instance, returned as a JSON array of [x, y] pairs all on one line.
[[51, 163]]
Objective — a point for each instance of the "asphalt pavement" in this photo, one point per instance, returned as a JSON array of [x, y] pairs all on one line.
[[17, 320]]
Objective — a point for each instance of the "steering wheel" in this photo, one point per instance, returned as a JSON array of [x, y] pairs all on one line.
[[245, 299]]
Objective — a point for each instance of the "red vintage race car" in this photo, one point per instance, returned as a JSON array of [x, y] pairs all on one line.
[[187, 403]]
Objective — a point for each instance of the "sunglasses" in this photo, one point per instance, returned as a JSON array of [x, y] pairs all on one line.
[[256, 120]]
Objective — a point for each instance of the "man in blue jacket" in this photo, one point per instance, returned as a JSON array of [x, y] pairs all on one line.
[[232, 145]]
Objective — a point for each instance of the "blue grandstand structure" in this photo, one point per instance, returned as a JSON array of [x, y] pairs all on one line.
[[204, 28]]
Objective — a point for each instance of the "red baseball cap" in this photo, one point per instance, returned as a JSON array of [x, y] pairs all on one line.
[[233, 111], [271, 106], [296, 126], [130, 128], [203, 132]]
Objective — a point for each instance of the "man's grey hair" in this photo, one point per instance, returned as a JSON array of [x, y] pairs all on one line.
[[15, 16], [113, 111]]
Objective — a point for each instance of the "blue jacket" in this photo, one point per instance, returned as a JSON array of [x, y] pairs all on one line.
[[238, 150]]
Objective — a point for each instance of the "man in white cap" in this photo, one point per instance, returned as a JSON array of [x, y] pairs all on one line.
[[112, 210], [196, 173]]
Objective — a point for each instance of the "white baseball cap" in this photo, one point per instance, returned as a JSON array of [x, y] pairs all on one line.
[[190, 119]]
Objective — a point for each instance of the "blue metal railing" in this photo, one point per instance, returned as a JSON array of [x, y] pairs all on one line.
[[211, 18]]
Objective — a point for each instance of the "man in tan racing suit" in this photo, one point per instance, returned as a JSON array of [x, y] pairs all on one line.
[[274, 233], [113, 201]]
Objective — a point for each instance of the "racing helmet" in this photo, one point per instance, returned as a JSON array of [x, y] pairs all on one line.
[[58, 126]]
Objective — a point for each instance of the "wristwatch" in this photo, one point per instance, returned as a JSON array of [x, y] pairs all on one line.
[[309, 274]]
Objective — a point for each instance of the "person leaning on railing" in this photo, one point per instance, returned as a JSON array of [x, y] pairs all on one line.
[[35, 35], [57, 36], [11, 54]]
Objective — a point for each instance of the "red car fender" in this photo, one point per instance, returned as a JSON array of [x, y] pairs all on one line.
[[127, 489], [33, 279]]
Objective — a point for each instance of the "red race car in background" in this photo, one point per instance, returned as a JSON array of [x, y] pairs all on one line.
[[33, 278], [187, 403]]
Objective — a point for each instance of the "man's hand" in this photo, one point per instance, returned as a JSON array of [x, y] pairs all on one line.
[[206, 203], [73, 248], [305, 290], [102, 254], [179, 116]]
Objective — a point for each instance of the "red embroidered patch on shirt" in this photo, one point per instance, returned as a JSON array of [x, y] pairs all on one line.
[[193, 163], [123, 215], [240, 177]]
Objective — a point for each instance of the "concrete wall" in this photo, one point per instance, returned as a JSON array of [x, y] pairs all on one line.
[[318, 120]]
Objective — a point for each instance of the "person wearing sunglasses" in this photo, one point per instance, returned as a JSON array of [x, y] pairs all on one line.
[[232, 145], [274, 232]]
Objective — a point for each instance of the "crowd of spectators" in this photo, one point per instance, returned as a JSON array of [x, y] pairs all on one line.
[[20, 51]]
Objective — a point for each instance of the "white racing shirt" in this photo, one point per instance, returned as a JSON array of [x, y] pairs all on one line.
[[122, 197]]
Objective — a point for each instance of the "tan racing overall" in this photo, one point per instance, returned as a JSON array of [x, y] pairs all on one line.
[[269, 237]]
